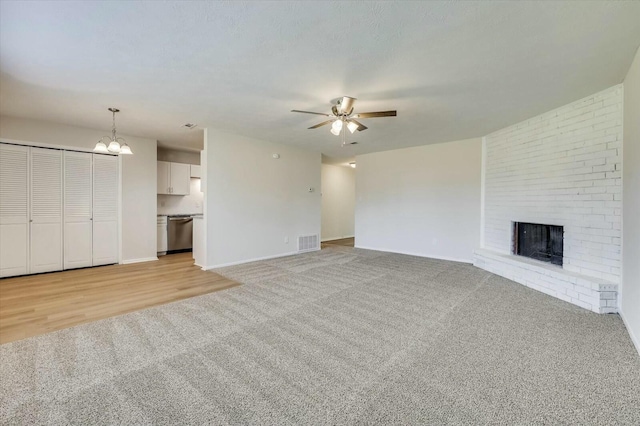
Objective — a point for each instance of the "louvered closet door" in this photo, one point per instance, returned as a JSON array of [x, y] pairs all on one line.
[[46, 210], [105, 209], [78, 245], [14, 210]]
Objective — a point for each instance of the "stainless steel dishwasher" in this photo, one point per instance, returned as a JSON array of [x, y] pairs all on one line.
[[179, 233]]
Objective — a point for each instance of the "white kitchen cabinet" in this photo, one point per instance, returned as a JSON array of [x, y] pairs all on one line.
[[105, 210], [180, 179], [14, 210], [46, 210], [164, 180], [78, 229], [198, 241], [173, 178], [162, 234], [195, 171]]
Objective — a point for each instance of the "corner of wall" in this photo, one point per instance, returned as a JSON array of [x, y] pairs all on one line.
[[482, 194]]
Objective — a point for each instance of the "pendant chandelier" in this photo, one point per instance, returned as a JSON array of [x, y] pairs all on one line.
[[113, 145]]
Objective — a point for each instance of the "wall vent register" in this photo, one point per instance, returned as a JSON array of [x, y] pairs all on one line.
[[307, 243], [539, 241]]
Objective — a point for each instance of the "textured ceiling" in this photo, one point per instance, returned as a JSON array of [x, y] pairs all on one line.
[[453, 70]]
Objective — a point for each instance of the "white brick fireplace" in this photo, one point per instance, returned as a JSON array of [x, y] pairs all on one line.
[[560, 168]]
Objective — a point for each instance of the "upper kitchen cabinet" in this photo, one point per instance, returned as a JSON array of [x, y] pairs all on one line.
[[173, 178], [195, 171], [164, 183]]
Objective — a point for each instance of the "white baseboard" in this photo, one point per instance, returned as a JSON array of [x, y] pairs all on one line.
[[452, 259], [142, 259], [634, 339], [336, 238], [256, 259]]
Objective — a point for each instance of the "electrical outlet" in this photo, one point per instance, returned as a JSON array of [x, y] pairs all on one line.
[[286, 240]]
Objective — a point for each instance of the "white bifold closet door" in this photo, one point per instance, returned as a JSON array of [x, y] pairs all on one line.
[[46, 210], [14, 210], [78, 200], [105, 209]]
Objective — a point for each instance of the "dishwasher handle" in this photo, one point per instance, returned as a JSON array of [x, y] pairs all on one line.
[[181, 219]]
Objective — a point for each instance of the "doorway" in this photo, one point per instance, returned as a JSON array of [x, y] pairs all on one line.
[[338, 204]]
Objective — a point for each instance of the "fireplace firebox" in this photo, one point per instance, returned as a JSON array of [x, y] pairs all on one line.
[[538, 241]]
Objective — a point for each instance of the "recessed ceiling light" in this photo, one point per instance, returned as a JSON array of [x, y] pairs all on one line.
[[189, 125]]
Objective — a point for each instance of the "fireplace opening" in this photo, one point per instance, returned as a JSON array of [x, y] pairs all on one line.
[[537, 241]]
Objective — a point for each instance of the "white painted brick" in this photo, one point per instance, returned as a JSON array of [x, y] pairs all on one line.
[[585, 291], [572, 293], [563, 168]]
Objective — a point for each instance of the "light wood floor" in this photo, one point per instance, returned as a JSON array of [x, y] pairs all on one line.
[[347, 242], [38, 304]]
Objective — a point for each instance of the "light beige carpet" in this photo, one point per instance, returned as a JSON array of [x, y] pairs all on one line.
[[341, 336]]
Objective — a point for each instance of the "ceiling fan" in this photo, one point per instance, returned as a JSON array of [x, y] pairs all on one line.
[[342, 116]]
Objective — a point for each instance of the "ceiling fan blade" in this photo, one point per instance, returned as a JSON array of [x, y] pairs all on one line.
[[310, 112], [321, 124], [361, 126], [334, 110], [376, 114], [346, 105]]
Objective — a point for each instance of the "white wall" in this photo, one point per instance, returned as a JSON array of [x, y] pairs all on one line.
[[175, 156], [138, 176], [338, 202], [423, 201], [253, 201], [630, 297]]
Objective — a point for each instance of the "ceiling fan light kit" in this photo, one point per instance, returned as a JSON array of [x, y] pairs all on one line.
[[114, 147], [342, 116]]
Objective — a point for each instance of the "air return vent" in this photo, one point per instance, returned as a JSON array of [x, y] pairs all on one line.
[[307, 243]]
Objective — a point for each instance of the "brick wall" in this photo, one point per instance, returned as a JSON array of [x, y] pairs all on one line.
[[561, 168]]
